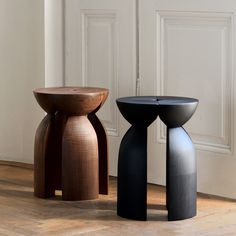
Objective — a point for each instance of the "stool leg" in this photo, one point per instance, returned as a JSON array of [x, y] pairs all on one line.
[[58, 129], [181, 175], [132, 175], [42, 178], [47, 156], [79, 160], [102, 153]]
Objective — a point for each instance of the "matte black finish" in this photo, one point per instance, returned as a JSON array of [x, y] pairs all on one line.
[[132, 178], [132, 163], [181, 175], [176, 111], [140, 110]]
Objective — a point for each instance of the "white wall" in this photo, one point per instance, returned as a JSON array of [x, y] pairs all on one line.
[[54, 43], [21, 70]]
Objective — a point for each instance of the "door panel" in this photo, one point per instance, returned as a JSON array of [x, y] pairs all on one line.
[[100, 51], [187, 49]]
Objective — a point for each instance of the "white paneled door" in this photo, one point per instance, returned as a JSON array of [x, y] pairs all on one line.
[[100, 50], [187, 48]]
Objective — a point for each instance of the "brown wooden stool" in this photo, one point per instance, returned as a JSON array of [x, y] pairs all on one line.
[[70, 151]]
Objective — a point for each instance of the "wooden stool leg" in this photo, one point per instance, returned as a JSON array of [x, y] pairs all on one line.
[[102, 153], [56, 148], [47, 156], [79, 160], [42, 178]]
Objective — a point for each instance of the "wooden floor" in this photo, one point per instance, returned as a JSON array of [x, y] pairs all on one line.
[[23, 214]]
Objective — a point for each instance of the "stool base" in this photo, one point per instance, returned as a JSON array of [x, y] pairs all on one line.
[[132, 175]]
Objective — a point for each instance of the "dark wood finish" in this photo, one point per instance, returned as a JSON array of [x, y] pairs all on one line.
[[47, 155], [71, 100], [59, 122], [79, 160], [103, 158], [41, 160], [66, 144], [102, 153]]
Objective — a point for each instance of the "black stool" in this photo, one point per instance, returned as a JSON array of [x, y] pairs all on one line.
[[140, 112]]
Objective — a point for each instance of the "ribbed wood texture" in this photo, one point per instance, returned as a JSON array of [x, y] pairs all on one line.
[[70, 149], [102, 153], [79, 160]]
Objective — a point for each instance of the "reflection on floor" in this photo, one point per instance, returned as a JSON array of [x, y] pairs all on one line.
[[23, 214]]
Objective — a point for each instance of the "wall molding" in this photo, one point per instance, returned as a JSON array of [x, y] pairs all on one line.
[[210, 22], [102, 21]]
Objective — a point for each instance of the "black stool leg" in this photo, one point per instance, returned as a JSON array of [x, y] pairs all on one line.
[[132, 175], [181, 175]]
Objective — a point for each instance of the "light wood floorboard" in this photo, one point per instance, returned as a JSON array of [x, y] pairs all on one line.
[[23, 214]]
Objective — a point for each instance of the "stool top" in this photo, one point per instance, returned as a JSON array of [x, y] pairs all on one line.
[[171, 100], [159, 100], [70, 90], [173, 111], [138, 110], [140, 100], [176, 111], [71, 100]]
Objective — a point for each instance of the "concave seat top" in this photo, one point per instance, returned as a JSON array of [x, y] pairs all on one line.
[[70, 90], [173, 111], [71, 100], [138, 110], [176, 111], [162, 100]]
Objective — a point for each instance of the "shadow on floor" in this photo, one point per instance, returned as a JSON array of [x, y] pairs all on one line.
[[97, 210]]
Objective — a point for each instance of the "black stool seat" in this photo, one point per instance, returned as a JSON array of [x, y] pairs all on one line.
[[140, 112], [137, 110], [176, 111]]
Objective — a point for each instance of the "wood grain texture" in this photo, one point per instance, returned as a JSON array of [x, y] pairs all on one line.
[[79, 160], [47, 155], [70, 100], [42, 185], [66, 146], [24, 215], [17, 164], [103, 158], [102, 153]]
